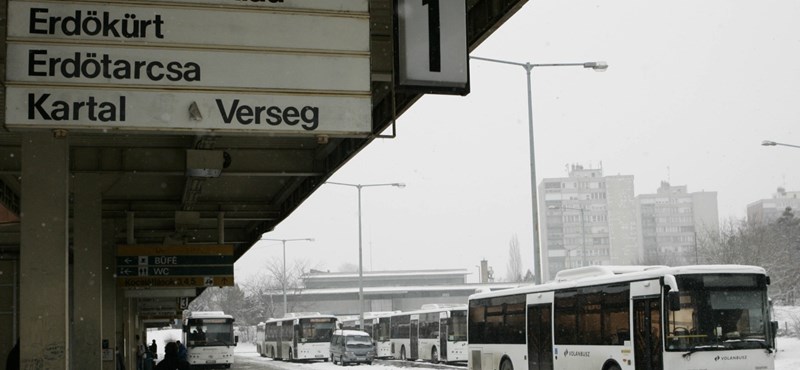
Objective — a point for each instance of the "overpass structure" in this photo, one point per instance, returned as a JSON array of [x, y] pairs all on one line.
[[147, 145]]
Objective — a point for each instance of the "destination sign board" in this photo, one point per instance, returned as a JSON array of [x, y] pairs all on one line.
[[329, 5], [174, 281], [170, 26], [217, 112], [190, 66], [62, 64]]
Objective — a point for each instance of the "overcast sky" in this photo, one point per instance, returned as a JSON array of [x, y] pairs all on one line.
[[692, 89]]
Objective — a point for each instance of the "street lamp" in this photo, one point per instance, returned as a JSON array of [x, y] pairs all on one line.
[[596, 66], [285, 304], [583, 231], [772, 143], [360, 264]]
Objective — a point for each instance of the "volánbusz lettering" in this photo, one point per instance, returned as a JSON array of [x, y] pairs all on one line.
[[89, 65], [271, 115], [92, 24], [42, 108]]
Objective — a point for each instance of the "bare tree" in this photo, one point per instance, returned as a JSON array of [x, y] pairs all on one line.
[[775, 247], [514, 272]]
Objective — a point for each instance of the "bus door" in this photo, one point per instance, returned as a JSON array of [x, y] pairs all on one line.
[[279, 349], [443, 330], [297, 334], [647, 333], [540, 337], [414, 332]]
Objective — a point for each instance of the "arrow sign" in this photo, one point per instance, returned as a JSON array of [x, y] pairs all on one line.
[[176, 271]]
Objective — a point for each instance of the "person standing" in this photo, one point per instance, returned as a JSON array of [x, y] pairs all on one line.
[[171, 360], [154, 348], [141, 351], [181, 351]]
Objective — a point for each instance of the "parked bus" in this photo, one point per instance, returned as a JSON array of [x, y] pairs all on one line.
[[297, 336], [209, 340], [376, 324], [433, 333], [633, 317]]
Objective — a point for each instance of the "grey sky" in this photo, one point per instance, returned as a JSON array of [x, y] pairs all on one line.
[[692, 89]]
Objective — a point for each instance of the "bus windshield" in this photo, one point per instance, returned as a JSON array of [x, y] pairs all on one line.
[[316, 330], [210, 333], [457, 327], [719, 311]]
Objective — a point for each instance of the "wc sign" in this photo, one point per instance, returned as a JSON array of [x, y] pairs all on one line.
[[431, 46]]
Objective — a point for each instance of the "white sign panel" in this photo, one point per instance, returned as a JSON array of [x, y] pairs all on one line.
[[207, 28], [329, 5], [432, 45], [185, 68], [299, 67], [196, 111]]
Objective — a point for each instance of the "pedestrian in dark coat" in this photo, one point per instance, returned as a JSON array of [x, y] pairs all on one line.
[[171, 360]]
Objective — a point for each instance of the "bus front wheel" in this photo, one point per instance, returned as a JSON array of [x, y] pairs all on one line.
[[506, 365], [434, 355]]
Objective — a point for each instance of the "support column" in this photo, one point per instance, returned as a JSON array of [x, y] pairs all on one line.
[[109, 330], [88, 271], [44, 252]]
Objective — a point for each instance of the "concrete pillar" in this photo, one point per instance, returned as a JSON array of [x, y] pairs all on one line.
[[109, 330], [44, 252], [88, 271], [8, 306]]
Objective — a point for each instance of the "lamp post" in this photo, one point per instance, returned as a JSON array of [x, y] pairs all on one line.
[[596, 66], [583, 231], [360, 264], [285, 304], [772, 143]]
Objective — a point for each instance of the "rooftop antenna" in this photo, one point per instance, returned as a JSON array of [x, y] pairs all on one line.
[[669, 180]]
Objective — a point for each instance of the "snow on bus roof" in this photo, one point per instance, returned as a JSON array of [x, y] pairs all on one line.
[[207, 314], [586, 276]]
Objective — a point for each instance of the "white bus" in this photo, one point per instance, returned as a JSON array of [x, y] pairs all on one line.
[[209, 340], [630, 317], [433, 333], [376, 324], [297, 336]]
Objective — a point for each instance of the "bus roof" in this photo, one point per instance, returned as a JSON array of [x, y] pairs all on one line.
[[208, 315], [596, 275], [430, 308], [299, 315]]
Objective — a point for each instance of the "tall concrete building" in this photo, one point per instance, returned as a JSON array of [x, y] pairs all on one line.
[[767, 211], [589, 219], [671, 221]]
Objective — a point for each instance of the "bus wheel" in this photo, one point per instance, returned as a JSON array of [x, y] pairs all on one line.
[[434, 355], [403, 353], [506, 365], [614, 367]]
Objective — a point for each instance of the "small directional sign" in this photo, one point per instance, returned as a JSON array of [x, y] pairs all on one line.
[[147, 282], [155, 266], [174, 260], [176, 271]]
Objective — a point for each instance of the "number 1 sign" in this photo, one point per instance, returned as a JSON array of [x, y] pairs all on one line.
[[431, 46]]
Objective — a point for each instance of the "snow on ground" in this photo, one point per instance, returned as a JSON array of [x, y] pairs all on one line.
[[787, 358]]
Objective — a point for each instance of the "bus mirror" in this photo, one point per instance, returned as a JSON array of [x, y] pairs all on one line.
[[674, 300], [671, 282]]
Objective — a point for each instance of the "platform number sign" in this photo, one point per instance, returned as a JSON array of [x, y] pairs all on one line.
[[431, 46]]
